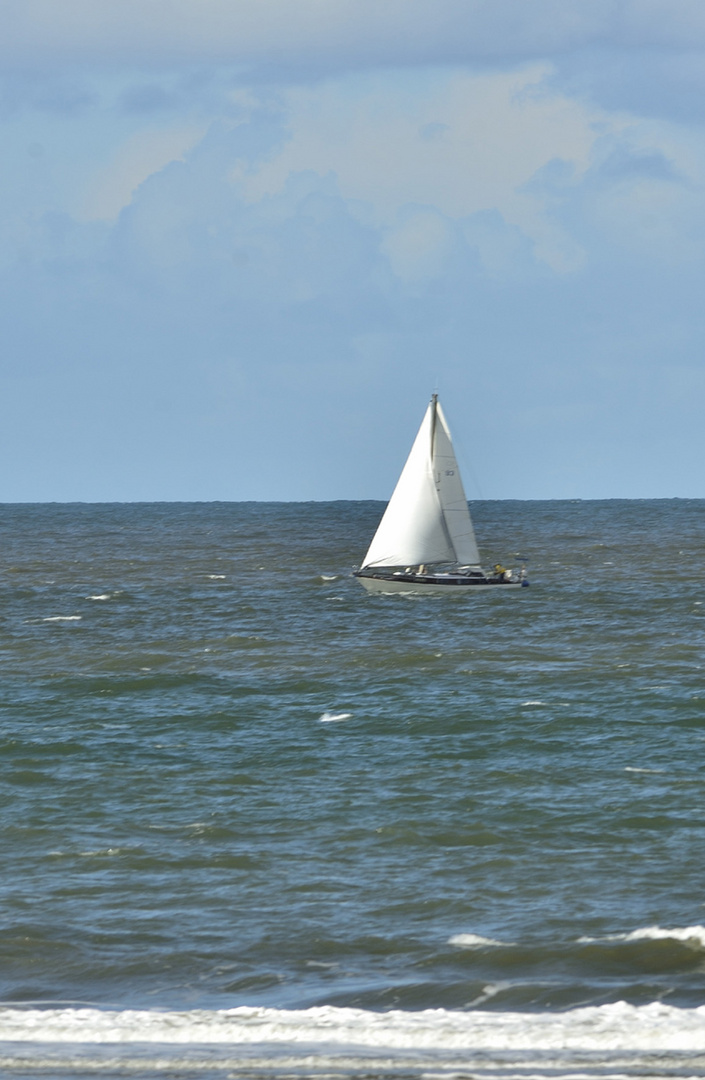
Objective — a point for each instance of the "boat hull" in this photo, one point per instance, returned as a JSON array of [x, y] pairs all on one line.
[[436, 584]]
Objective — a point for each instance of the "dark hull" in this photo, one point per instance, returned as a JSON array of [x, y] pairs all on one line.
[[439, 583]]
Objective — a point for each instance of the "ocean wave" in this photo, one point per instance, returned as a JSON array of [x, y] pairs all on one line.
[[689, 935], [617, 1027], [476, 941]]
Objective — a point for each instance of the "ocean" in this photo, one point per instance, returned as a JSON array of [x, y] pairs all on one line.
[[259, 823]]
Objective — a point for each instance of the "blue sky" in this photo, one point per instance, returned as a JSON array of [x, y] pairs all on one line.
[[241, 241]]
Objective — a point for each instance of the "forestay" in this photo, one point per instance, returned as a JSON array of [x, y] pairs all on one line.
[[427, 519]]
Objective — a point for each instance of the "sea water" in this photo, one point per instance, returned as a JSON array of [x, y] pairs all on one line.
[[257, 822]]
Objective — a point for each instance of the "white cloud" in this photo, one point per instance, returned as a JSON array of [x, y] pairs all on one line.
[[417, 248], [657, 219], [139, 157], [489, 133]]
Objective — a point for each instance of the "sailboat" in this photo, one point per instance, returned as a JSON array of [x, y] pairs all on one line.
[[425, 542]]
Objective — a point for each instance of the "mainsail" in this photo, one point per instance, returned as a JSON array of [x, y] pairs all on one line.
[[427, 519]]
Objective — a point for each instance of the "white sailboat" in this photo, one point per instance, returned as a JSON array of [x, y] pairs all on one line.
[[425, 542]]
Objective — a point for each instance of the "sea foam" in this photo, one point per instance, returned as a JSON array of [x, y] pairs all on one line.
[[617, 1027]]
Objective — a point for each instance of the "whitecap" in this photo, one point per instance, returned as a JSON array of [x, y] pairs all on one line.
[[487, 993], [198, 828], [216, 577], [99, 596], [332, 718], [633, 768], [62, 618], [656, 933], [686, 934], [525, 703], [476, 941]]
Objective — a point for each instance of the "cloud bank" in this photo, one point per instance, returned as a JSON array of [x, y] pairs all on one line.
[[334, 35]]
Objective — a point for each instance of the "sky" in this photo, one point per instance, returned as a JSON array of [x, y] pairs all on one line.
[[243, 241]]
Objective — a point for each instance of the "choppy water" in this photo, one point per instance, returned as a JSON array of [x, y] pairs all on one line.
[[257, 822]]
